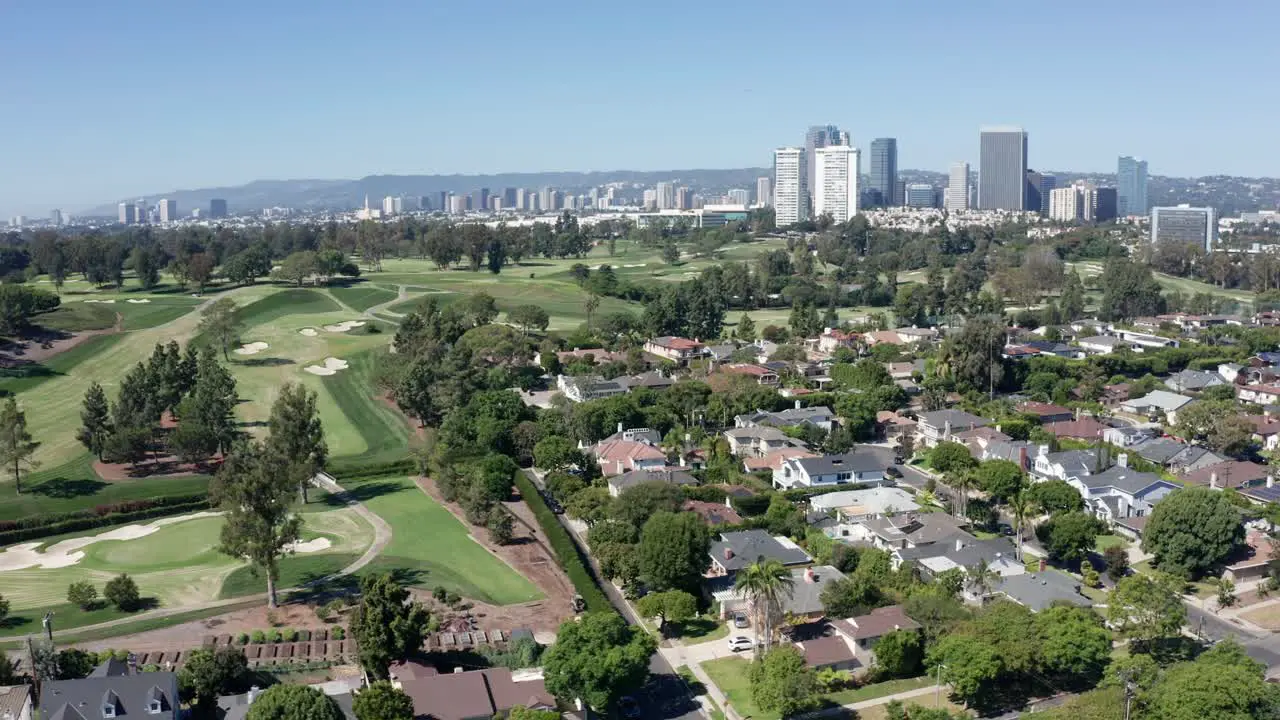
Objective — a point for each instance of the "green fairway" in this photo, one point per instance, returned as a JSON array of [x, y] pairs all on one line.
[[362, 297], [77, 317], [73, 486], [295, 301], [381, 434], [430, 547], [295, 571], [25, 377]]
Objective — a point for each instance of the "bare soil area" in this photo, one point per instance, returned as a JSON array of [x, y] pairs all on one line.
[[42, 345]]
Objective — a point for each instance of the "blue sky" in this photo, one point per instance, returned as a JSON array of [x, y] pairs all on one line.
[[105, 100]]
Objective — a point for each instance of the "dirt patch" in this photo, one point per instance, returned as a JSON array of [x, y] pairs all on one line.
[[192, 634], [42, 345], [165, 466], [531, 556], [1267, 617]]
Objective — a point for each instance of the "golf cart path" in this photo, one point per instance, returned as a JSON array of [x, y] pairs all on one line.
[[401, 295], [381, 537]]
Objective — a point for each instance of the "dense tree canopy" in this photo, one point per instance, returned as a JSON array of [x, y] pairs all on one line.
[[1192, 530]]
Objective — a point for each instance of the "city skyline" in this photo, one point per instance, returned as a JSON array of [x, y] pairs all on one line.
[[301, 111]]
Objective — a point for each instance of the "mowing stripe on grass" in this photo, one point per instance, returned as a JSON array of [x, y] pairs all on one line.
[[384, 431], [26, 377], [362, 297], [297, 301]]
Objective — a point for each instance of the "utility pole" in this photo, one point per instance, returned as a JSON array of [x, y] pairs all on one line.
[[1129, 690], [937, 691]]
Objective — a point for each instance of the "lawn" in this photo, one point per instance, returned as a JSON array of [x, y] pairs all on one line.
[[26, 377], [1102, 542], [700, 630], [730, 674], [1266, 617], [430, 547], [697, 688], [77, 317], [294, 301], [382, 429], [73, 486], [362, 296], [880, 689]]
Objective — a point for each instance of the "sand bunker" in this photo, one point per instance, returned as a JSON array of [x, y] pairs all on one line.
[[139, 302], [252, 348], [69, 552], [344, 326], [104, 302], [309, 332], [321, 543], [636, 265], [331, 366]]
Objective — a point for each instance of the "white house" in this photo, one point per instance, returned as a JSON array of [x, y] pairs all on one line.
[[758, 441], [676, 349], [589, 387], [1147, 340], [1101, 344], [1157, 403], [1259, 394], [942, 425], [1063, 465], [849, 468], [1121, 492]]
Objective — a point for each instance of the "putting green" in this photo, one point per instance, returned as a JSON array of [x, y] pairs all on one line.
[[193, 542]]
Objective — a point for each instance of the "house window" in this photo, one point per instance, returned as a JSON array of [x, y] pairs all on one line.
[[108, 711], [153, 707]]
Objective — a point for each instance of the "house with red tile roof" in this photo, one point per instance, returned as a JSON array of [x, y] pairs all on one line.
[[1086, 428], [676, 349], [1046, 412], [620, 456]]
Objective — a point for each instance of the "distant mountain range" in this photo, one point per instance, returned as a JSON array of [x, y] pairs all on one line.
[[1229, 195]]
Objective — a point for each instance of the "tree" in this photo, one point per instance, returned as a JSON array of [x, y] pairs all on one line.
[[73, 664], [529, 317], [122, 592], [899, 654], [1001, 479], [500, 526], [1216, 424], [1128, 290], [670, 606], [1023, 508], [763, 584], [256, 493], [1056, 496], [598, 658], [18, 303], [145, 267], [557, 453], [1192, 530], [674, 551], [1145, 610], [386, 625], [206, 674], [1071, 301], [971, 665], [1223, 683], [295, 434], [16, 445], [293, 702], [1069, 536], [200, 269], [4, 608], [95, 421], [974, 354], [520, 712], [782, 683], [849, 596], [746, 330], [1117, 558], [1074, 644], [1226, 588], [640, 502], [298, 266], [82, 594], [382, 701], [207, 415], [221, 323], [949, 457]]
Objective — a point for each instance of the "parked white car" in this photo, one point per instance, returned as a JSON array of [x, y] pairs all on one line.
[[740, 643]]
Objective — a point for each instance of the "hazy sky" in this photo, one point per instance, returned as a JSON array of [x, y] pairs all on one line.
[[106, 100]]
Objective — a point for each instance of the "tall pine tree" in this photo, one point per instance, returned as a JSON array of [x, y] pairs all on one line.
[[16, 445], [207, 420], [95, 419], [296, 434]]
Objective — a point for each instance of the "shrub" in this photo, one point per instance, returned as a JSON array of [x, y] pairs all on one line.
[[122, 592], [242, 639], [565, 549], [82, 594], [338, 633], [452, 599], [275, 636], [323, 613], [290, 635], [45, 525], [258, 637], [335, 607], [439, 593]]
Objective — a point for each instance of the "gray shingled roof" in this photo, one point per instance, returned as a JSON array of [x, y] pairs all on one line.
[[1039, 591], [848, 462], [1123, 479], [747, 546], [959, 419], [130, 694]]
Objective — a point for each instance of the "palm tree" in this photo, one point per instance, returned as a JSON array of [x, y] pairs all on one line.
[[590, 304], [764, 583], [963, 483], [1024, 509], [981, 577]]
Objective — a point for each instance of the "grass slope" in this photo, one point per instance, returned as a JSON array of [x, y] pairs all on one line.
[[27, 377], [73, 486], [295, 301], [362, 296], [383, 431], [429, 547]]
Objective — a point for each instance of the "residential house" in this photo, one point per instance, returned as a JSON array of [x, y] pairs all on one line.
[[864, 631], [917, 335], [772, 461], [1233, 474], [1259, 394], [736, 550], [652, 380], [1129, 435], [649, 436], [1193, 381], [962, 551], [1046, 412], [1251, 561], [1015, 451], [722, 353], [1038, 591], [582, 388], [905, 370], [1113, 395], [1121, 491], [761, 374], [616, 457], [831, 652], [16, 702], [833, 339], [665, 475], [883, 337], [802, 599], [1019, 352], [1053, 348], [905, 530], [1101, 344], [849, 468], [1174, 455], [472, 694], [851, 507], [114, 689], [1156, 404], [236, 707], [1085, 428], [592, 356], [893, 427], [758, 441], [940, 425], [676, 349], [1266, 430], [1066, 464], [819, 416], [713, 513], [1142, 340], [1230, 371]]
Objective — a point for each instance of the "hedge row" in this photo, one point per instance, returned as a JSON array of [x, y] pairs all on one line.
[[571, 559], [404, 466], [40, 526]]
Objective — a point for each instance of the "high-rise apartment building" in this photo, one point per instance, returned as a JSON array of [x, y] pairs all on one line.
[[217, 208], [649, 199], [815, 137], [1104, 204], [1184, 224], [790, 170], [1048, 182], [1002, 180], [168, 210], [835, 191], [884, 170], [739, 196], [684, 198], [764, 192], [1039, 186], [1131, 186], [665, 194], [55, 218], [128, 213], [1072, 204], [458, 204], [388, 206], [958, 187], [482, 199], [920, 195], [547, 201], [508, 198]]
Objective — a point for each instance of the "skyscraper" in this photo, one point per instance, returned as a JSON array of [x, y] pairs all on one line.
[[508, 198], [1074, 203], [835, 192], [168, 210], [958, 187], [1038, 191], [483, 199], [1002, 181], [1048, 181], [920, 195], [884, 170], [764, 192], [738, 196], [1131, 186], [128, 213], [1184, 224], [55, 218], [789, 173], [684, 198], [1104, 204], [818, 136], [217, 208], [665, 194]]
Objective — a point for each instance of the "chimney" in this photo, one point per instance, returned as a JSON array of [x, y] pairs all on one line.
[[959, 544], [619, 427], [253, 694], [946, 430], [797, 404], [1022, 457], [1042, 450], [1122, 460], [1213, 480], [1043, 565], [1271, 480], [621, 469]]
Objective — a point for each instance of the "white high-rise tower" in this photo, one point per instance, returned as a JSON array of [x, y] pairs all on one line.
[[958, 187], [835, 178], [789, 174]]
